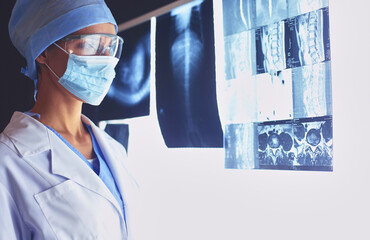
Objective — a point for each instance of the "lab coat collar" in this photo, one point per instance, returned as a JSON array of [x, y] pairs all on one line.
[[115, 163], [65, 162], [114, 153], [30, 137], [27, 141]]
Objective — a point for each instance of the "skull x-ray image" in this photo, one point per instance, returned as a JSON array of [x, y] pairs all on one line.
[[277, 88], [130, 91], [185, 77]]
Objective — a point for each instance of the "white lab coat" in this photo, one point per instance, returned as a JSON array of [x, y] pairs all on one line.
[[48, 192]]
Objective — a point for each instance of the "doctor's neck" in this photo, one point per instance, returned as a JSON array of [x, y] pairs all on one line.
[[58, 108]]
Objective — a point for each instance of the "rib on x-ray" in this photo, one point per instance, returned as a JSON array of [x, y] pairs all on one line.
[[129, 94], [279, 57], [185, 77]]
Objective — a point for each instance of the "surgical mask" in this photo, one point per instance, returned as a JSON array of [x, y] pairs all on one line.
[[88, 77]]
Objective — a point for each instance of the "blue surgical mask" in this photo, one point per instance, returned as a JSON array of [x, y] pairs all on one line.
[[88, 77]]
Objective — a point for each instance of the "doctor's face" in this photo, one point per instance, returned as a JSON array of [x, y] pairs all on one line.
[[57, 59]]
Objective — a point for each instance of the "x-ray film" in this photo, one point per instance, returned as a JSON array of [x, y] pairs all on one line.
[[312, 92], [239, 16], [274, 96], [298, 7], [313, 144], [270, 46], [240, 146], [129, 94], [278, 80], [270, 11], [301, 144], [275, 145], [240, 99], [185, 77], [239, 55], [307, 39]]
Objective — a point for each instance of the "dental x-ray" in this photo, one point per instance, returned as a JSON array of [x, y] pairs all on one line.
[[278, 85], [185, 77], [129, 94]]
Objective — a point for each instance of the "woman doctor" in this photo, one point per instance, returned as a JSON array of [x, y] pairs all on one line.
[[61, 177]]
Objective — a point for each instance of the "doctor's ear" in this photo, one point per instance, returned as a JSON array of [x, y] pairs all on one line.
[[41, 59]]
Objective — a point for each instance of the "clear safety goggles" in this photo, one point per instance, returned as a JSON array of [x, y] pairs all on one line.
[[100, 44]]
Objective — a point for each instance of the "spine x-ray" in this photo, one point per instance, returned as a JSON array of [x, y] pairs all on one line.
[[278, 85], [185, 77]]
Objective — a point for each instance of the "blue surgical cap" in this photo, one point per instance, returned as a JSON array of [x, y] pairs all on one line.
[[36, 24]]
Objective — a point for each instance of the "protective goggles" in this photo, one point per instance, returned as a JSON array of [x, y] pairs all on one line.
[[100, 44]]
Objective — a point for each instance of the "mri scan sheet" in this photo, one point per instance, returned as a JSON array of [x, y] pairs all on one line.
[[299, 144], [185, 77], [312, 90], [277, 86]]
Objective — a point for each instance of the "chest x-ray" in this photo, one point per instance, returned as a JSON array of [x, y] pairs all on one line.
[[129, 94], [277, 65], [185, 77]]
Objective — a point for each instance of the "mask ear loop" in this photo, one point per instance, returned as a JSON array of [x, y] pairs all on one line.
[[61, 48], [47, 65], [51, 70]]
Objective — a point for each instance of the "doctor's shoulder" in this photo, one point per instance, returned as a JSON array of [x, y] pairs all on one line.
[[8, 151]]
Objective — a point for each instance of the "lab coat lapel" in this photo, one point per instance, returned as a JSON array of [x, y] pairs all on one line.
[[66, 163], [115, 156]]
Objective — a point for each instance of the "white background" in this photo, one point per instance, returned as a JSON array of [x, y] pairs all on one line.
[[188, 195]]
